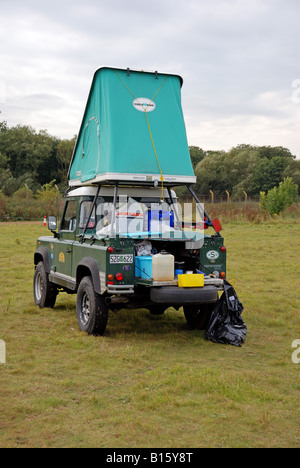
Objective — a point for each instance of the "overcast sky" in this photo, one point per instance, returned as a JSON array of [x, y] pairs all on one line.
[[239, 59]]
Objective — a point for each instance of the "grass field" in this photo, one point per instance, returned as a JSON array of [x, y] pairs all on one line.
[[151, 381]]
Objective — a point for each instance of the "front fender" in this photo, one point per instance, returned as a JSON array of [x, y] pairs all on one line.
[[42, 254]]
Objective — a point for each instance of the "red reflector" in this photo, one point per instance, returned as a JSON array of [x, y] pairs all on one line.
[[223, 248], [110, 277], [110, 249], [222, 274], [110, 282], [217, 225], [119, 276]]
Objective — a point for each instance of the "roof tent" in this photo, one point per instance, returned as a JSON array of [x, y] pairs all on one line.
[[132, 131]]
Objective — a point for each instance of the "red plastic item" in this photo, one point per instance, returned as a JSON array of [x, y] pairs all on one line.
[[217, 225]]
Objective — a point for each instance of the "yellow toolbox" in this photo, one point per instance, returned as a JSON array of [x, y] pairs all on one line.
[[191, 281]]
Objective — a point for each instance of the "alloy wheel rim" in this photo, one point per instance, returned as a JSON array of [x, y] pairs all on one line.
[[85, 309], [38, 286]]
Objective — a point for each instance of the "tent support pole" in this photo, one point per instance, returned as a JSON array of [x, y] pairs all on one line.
[[91, 210], [198, 202], [173, 204], [114, 208]]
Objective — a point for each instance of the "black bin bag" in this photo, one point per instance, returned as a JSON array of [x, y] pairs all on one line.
[[226, 325]]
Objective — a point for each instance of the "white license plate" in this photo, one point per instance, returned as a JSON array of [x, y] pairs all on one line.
[[121, 258]]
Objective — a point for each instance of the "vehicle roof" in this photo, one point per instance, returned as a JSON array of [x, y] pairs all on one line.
[[108, 191]]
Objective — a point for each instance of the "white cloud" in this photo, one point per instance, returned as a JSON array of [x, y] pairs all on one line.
[[238, 61], [2, 91]]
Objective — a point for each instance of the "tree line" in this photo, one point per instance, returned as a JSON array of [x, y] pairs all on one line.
[[245, 168], [32, 159]]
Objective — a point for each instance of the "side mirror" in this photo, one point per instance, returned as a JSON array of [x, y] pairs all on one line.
[[52, 223]]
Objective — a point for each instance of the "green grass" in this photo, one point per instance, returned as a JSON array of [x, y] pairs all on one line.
[[151, 381]]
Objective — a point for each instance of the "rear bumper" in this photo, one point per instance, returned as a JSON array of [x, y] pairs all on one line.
[[184, 296]]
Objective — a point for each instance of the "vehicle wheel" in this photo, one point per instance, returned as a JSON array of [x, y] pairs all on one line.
[[44, 291], [198, 316], [157, 310], [91, 309]]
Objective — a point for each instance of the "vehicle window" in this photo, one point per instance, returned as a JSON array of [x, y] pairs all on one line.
[[85, 209], [105, 212], [69, 219], [132, 215]]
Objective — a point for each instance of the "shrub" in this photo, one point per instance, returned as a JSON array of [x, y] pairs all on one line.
[[3, 202], [279, 198], [23, 205], [49, 197]]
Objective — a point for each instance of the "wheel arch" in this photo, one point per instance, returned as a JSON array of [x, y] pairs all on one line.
[[42, 255], [89, 267]]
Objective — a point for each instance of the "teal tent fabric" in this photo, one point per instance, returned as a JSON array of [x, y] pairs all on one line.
[[133, 130]]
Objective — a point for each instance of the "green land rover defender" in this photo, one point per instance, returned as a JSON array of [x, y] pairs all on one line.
[[124, 240]]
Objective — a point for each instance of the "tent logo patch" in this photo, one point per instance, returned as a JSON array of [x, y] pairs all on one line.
[[144, 105]]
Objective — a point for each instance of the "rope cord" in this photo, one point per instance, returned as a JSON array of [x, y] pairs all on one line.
[[124, 84], [149, 128], [161, 174]]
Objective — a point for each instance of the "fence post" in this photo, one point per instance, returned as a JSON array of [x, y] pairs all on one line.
[[27, 191], [228, 196], [246, 198], [2, 352], [212, 196]]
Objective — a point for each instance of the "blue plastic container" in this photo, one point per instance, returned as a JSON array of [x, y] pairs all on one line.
[[178, 272], [143, 267], [158, 217], [137, 267]]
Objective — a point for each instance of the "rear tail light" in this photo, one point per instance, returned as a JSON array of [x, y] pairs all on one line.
[[110, 277], [222, 274], [223, 248], [119, 276], [110, 249]]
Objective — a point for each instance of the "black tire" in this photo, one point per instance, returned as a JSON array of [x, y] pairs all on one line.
[[91, 309], [198, 316], [44, 292]]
